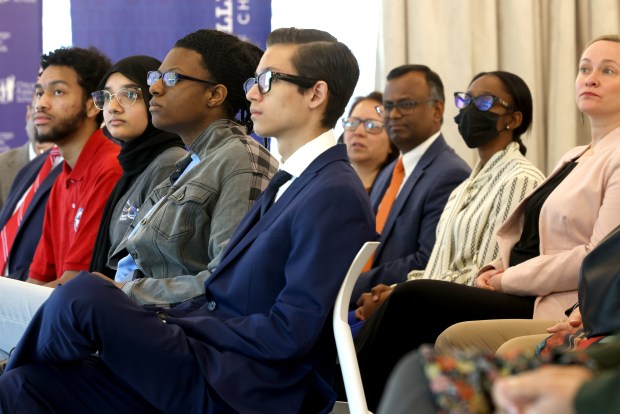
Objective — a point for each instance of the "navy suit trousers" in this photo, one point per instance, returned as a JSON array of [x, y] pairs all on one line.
[[143, 364]]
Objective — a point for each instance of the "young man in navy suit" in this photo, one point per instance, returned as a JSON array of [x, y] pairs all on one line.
[[260, 339]]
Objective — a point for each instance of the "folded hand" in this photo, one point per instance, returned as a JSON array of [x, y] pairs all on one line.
[[573, 321], [490, 279], [370, 301]]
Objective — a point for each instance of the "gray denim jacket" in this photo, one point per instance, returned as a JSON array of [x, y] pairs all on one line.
[[127, 208], [187, 232]]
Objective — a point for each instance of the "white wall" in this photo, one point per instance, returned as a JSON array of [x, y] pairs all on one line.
[[56, 24], [353, 22]]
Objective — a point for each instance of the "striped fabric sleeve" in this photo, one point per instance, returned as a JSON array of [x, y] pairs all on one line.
[[473, 242]]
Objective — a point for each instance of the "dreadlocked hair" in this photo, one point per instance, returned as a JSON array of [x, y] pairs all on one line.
[[231, 61], [89, 64]]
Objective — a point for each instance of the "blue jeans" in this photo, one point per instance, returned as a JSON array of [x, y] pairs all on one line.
[[20, 301]]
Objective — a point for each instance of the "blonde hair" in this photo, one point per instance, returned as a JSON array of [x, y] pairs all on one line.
[[609, 37]]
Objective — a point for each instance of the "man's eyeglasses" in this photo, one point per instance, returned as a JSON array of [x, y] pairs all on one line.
[[125, 97], [483, 102], [263, 81], [405, 107], [372, 126], [171, 78]]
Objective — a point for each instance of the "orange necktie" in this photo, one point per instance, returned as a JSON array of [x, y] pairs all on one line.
[[390, 194], [388, 201]]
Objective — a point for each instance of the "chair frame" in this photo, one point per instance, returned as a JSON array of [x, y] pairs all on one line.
[[356, 399]]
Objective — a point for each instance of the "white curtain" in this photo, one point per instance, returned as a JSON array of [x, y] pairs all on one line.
[[539, 40]]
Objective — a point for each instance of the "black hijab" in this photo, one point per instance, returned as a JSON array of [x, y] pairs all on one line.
[[135, 155]]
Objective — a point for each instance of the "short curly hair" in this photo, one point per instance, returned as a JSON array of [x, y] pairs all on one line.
[[231, 61], [90, 65]]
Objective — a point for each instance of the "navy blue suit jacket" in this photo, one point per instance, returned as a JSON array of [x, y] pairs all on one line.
[[409, 233], [263, 329], [29, 231]]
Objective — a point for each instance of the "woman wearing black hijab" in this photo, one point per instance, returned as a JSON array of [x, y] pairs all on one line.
[[148, 155]]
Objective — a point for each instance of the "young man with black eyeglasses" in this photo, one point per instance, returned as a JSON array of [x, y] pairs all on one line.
[[260, 338], [180, 232]]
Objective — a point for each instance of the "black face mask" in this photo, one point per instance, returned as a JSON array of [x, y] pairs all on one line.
[[477, 127]]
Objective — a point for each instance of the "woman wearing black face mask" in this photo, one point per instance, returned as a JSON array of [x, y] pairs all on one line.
[[494, 113], [489, 122]]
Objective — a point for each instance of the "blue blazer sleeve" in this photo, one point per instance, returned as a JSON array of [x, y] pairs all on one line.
[[409, 234], [314, 258]]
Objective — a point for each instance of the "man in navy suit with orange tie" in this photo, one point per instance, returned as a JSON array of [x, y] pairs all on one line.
[[260, 339], [407, 217]]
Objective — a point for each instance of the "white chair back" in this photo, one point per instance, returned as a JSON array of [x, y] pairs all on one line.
[[344, 338]]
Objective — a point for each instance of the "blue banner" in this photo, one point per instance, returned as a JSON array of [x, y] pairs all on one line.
[[20, 50], [121, 28]]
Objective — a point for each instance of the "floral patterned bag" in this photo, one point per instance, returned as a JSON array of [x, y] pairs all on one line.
[[461, 381]]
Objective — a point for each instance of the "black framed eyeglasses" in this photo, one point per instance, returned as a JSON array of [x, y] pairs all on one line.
[[372, 126], [125, 97], [170, 78], [483, 102], [405, 107], [263, 81]]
